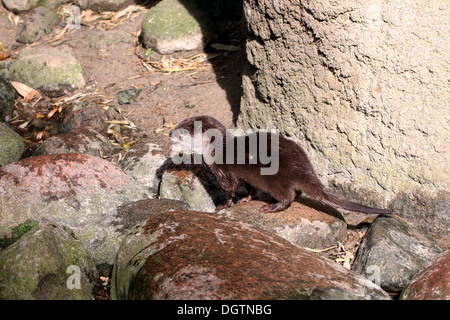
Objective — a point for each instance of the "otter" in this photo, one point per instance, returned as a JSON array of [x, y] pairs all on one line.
[[293, 172]]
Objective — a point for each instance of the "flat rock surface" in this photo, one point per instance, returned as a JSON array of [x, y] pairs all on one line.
[[303, 225]]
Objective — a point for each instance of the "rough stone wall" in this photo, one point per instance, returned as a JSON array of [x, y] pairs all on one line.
[[363, 85]]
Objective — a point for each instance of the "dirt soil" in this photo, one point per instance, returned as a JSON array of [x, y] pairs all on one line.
[[213, 87]]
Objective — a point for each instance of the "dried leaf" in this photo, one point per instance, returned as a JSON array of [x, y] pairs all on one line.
[[348, 257], [25, 91], [51, 113], [88, 16], [57, 39], [42, 135], [25, 124], [128, 11], [108, 16]]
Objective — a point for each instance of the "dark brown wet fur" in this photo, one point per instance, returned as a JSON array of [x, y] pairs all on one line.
[[294, 176]]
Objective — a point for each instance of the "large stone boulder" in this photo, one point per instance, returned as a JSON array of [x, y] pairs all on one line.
[[85, 141], [393, 251], [39, 266], [198, 255], [432, 283], [78, 191], [363, 86]]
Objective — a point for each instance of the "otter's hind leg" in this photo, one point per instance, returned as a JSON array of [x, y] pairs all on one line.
[[282, 204], [276, 207]]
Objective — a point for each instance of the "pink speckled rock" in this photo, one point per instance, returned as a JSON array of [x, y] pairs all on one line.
[[432, 283], [75, 190], [198, 255]]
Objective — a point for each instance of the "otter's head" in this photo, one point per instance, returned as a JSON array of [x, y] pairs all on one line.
[[198, 125], [196, 134]]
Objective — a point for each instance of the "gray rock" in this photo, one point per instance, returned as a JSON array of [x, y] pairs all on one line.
[[172, 25], [302, 225], [146, 162], [40, 265], [79, 191], [47, 69], [11, 145], [84, 141], [83, 115], [393, 251], [198, 193], [38, 23], [7, 97], [197, 255]]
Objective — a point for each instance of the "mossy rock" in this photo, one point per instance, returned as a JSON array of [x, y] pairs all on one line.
[[40, 266], [11, 145], [7, 97], [37, 24], [172, 26], [47, 69]]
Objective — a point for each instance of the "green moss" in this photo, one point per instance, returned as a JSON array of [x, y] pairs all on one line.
[[171, 20], [17, 233], [33, 71], [47, 69], [11, 145]]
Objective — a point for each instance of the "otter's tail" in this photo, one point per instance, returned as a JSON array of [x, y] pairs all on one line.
[[336, 201]]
